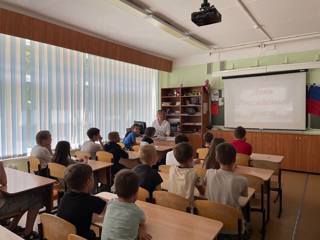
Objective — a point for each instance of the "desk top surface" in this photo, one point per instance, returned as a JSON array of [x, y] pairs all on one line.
[[266, 157], [19, 181], [265, 174], [5, 234], [166, 223], [97, 165]]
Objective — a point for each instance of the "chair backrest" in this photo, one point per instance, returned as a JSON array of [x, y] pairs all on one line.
[[56, 170], [55, 228], [82, 154], [171, 200], [164, 168], [75, 237], [104, 156], [242, 159], [230, 217], [202, 152], [254, 182], [121, 144], [201, 172], [143, 195], [33, 164], [136, 148]]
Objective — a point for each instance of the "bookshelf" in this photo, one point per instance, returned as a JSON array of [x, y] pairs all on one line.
[[187, 108]]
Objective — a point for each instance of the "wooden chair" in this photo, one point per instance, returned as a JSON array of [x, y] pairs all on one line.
[[202, 153], [55, 228], [104, 156], [276, 182], [201, 172], [171, 200], [164, 168], [75, 237], [230, 217], [57, 171], [33, 165], [121, 144], [136, 148], [242, 159], [258, 202], [82, 154], [144, 195]]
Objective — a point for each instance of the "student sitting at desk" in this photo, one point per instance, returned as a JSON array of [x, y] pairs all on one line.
[[207, 137], [210, 162], [149, 178], [124, 219], [62, 154], [240, 143], [91, 146], [77, 205], [43, 151], [148, 135], [23, 202], [170, 159], [130, 138], [222, 185], [113, 147], [183, 179]]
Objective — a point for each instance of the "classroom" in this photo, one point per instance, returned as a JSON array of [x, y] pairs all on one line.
[[148, 119]]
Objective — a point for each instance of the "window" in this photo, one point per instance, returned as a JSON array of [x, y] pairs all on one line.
[[66, 92]]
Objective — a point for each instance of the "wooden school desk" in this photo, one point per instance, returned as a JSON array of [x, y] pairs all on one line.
[[5, 234], [166, 223], [266, 157], [19, 181], [264, 174], [102, 170]]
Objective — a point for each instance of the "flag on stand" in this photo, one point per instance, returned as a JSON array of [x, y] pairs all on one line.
[[313, 100]]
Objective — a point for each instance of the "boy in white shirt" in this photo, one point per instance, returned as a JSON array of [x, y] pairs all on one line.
[[183, 179], [91, 146], [222, 185], [170, 159], [43, 150]]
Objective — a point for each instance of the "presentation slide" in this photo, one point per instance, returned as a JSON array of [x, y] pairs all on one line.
[[266, 102]]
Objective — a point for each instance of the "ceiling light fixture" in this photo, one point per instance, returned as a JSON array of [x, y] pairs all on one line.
[[159, 23]]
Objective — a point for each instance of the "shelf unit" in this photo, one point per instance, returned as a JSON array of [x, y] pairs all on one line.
[[187, 108]]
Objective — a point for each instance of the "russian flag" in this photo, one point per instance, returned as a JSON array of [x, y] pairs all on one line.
[[313, 100]]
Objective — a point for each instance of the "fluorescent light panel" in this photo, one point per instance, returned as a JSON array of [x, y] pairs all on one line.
[[129, 7]]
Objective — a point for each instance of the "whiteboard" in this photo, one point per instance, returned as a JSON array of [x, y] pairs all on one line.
[[266, 102]]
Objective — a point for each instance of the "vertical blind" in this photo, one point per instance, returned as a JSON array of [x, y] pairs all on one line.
[[43, 87]]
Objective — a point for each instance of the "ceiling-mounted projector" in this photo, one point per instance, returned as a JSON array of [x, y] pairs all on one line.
[[207, 15]]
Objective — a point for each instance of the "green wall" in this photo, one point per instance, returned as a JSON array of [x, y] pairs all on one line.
[[197, 74]]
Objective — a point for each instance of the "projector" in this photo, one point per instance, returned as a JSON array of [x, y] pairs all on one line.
[[207, 15]]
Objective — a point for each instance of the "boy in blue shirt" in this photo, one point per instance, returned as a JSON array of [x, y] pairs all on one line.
[[130, 139]]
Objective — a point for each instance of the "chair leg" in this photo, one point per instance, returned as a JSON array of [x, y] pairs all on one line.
[[263, 230], [280, 203], [277, 197]]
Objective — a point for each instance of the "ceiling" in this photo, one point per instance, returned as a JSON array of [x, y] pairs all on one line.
[[278, 18]]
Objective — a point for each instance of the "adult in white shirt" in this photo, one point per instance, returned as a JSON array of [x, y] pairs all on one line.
[[43, 150], [91, 146], [161, 125]]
